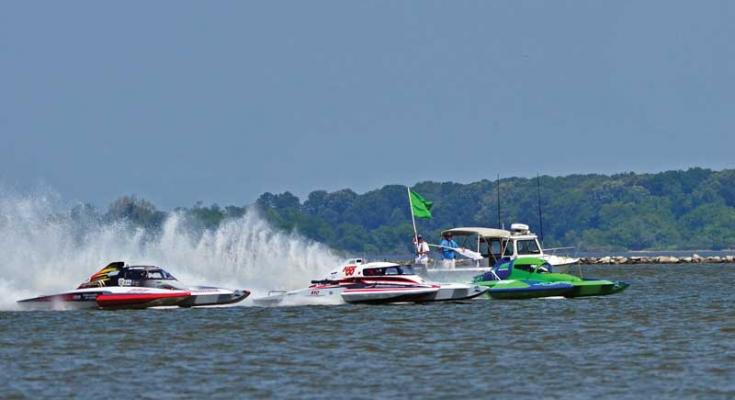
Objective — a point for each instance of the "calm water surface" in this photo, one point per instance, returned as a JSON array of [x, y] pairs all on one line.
[[671, 334]]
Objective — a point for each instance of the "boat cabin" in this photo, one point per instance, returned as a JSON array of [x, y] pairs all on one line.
[[498, 244]]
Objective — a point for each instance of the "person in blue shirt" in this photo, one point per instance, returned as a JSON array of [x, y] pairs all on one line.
[[448, 255]]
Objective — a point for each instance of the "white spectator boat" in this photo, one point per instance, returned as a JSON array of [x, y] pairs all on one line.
[[494, 245]]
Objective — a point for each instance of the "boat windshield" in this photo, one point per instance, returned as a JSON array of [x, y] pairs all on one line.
[[509, 249], [159, 274], [152, 274], [402, 270], [526, 247], [524, 267]]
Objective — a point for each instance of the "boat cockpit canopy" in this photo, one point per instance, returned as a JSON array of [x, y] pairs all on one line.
[[389, 271], [119, 274], [140, 273], [504, 270], [534, 268]]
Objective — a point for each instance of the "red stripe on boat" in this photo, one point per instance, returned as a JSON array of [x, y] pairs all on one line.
[[136, 298], [387, 290]]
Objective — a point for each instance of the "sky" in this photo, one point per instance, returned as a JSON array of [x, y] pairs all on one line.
[[186, 101]]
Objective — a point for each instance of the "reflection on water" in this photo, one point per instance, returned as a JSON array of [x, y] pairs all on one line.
[[671, 334]]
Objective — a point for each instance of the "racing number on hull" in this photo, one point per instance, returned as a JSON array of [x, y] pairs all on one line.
[[349, 270]]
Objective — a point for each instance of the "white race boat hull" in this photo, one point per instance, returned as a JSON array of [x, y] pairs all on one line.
[[334, 295], [373, 283]]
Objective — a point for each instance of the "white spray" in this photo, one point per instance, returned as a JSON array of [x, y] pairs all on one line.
[[44, 251]]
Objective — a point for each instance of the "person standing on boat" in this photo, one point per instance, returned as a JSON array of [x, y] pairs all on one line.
[[422, 251], [448, 255]]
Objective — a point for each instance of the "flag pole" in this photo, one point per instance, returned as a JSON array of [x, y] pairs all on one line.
[[540, 218], [498, 186], [413, 220]]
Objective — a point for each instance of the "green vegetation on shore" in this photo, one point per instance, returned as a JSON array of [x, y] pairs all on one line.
[[673, 210]]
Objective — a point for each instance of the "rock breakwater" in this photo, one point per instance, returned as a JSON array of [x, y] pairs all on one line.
[[693, 259]]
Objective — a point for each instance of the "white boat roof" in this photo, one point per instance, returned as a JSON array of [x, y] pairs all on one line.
[[482, 232]]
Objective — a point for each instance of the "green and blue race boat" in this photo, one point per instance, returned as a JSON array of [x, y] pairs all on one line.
[[528, 278]]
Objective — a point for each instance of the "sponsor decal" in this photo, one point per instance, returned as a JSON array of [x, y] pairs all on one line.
[[544, 283]]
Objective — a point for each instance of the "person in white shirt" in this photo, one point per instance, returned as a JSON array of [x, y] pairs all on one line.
[[422, 251]]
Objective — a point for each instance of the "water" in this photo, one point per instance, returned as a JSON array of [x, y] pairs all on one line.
[[671, 334]]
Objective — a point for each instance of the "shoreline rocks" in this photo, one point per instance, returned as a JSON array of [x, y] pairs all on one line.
[[693, 259]]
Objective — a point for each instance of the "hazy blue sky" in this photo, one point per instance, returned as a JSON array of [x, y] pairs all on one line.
[[179, 101]]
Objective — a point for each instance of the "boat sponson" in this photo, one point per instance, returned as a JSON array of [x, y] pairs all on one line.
[[380, 296], [460, 293], [529, 290], [214, 299], [595, 287], [140, 300]]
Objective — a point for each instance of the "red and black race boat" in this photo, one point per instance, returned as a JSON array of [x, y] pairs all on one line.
[[119, 286]]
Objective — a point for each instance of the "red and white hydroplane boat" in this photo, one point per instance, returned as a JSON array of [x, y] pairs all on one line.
[[119, 286], [373, 283]]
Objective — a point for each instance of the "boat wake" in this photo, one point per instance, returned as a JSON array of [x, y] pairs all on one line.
[[47, 250]]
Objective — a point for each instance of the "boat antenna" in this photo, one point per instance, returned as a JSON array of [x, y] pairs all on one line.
[[540, 217], [497, 183]]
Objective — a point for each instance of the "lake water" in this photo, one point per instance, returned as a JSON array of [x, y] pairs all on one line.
[[671, 334]]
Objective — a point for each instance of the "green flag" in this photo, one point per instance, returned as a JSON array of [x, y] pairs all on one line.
[[421, 207]]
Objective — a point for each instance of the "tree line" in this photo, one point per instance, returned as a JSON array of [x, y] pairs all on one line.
[[673, 210]]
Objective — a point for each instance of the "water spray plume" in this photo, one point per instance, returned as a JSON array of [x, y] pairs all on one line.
[[45, 250]]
